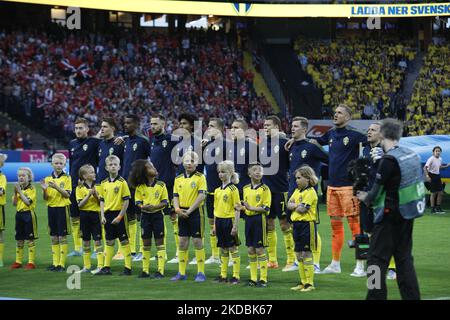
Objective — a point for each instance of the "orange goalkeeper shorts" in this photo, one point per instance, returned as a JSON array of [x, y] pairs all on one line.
[[341, 202]]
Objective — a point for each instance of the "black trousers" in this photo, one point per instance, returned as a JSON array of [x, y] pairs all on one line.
[[392, 237]]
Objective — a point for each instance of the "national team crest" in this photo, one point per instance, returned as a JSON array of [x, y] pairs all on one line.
[[193, 185], [85, 147], [116, 190], [276, 149], [135, 147], [330, 142], [156, 194], [164, 143], [242, 152], [258, 198], [110, 151], [225, 198], [61, 185], [346, 141], [304, 153]]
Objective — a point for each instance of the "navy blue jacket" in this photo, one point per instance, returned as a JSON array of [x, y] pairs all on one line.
[[81, 152]]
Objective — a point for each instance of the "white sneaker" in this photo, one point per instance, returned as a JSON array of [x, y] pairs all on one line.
[[317, 269], [96, 271], [193, 261], [391, 275], [290, 267], [332, 269], [212, 260], [138, 257], [358, 273], [84, 270], [174, 260]]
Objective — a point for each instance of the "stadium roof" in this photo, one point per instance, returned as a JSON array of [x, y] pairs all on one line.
[[259, 9]]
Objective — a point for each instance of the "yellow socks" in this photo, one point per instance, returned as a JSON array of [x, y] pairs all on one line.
[[253, 267], [316, 252], [87, 257], [236, 263], [200, 256], [272, 249], [224, 258], [100, 256], [301, 271], [213, 243], [56, 253], [132, 228], [126, 251], [182, 258], [161, 253], [146, 260], [262, 261], [141, 245], [76, 235], [19, 255], [63, 253], [108, 256], [289, 244], [32, 252], [309, 270], [175, 234], [391, 263]]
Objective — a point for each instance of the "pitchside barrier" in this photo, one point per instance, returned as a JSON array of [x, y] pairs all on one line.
[[37, 161]]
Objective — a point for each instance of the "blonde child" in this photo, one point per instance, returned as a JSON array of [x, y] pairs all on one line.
[[56, 189], [87, 195], [24, 199], [303, 204], [226, 221]]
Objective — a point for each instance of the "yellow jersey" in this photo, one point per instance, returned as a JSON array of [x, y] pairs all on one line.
[[92, 204], [113, 193], [307, 197], [257, 196], [54, 198], [30, 193], [225, 200], [187, 188], [152, 194], [3, 188]]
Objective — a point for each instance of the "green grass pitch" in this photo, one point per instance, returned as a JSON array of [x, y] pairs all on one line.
[[431, 241]]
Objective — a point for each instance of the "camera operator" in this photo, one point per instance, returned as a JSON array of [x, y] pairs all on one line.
[[397, 198]]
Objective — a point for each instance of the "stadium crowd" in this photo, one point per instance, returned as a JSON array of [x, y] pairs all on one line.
[[59, 77], [430, 102], [14, 140], [365, 74]]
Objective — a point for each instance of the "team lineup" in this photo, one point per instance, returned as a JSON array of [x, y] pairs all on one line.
[[118, 184]]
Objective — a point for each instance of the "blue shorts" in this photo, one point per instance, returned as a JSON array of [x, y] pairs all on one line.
[[74, 211], [193, 226], [210, 205], [168, 210], [133, 211], [2, 217], [90, 225], [26, 226], [223, 233], [278, 205], [58, 221], [114, 231], [256, 231], [305, 235], [152, 224]]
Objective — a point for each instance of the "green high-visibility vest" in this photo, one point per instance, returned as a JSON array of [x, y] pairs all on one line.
[[411, 193]]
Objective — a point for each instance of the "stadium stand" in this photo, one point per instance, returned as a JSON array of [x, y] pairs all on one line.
[[428, 111], [52, 78]]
